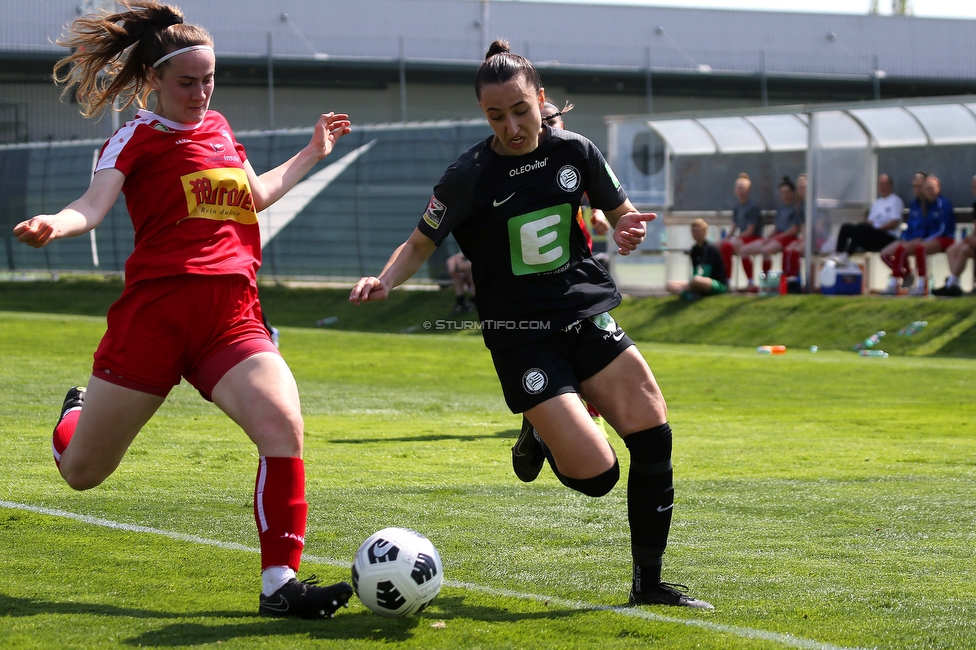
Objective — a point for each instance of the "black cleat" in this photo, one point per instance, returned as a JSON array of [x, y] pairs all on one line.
[[527, 454], [305, 599], [73, 400], [664, 593], [950, 290]]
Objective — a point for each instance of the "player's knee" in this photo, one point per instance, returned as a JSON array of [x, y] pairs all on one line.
[[80, 478], [596, 486]]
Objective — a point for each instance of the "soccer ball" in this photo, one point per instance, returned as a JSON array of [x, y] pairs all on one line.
[[397, 572]]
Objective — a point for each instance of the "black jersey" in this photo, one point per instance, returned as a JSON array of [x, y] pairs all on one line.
[[514, 217], [706, 261]]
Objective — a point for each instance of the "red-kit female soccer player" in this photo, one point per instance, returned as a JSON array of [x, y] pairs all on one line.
[[190, 306], [511, 202]]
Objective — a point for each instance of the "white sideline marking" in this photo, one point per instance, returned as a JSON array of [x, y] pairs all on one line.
[[781, 638]]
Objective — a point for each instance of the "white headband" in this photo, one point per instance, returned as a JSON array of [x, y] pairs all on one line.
[[192, 48]]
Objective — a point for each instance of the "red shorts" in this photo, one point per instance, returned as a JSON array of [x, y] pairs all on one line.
[[783, 239], [192, 326], [945, 242]]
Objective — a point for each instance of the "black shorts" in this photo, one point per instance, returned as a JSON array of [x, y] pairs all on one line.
[[540, 370]]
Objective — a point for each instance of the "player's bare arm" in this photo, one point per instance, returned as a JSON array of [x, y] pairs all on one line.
[[78, 217], [402, 265], [270, 186]]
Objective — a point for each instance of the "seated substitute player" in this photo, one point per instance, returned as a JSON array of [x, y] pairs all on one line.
[[707, 270], [190, 304], [931, 228], [786, 227], [747, 227], [511, 203], [794, 251], [959, 254]]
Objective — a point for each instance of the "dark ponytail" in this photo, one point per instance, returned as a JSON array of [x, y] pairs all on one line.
[[501, 66]]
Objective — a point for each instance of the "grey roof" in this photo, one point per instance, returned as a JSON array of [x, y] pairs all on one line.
[[565, 35]]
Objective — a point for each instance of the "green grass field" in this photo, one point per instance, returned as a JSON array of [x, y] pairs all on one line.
[[822, 500]]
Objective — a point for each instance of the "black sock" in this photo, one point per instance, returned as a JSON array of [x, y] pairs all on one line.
[[650, 499], [646, 576], [459, 300]]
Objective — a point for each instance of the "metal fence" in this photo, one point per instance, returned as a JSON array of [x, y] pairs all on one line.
[[358, 213]]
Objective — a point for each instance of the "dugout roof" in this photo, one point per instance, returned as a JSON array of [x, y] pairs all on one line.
[[929, 122]]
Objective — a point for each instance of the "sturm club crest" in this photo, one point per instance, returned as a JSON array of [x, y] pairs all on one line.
[[534, 381], [568, 178]]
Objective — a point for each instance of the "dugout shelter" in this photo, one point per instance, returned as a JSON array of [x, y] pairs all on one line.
[[684, 165]]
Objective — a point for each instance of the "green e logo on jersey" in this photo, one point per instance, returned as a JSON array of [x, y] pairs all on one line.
[[539, 240]]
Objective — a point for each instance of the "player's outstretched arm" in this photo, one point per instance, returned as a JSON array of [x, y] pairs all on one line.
[[274, 184], [78, 217], [628, 226], [403, 264]]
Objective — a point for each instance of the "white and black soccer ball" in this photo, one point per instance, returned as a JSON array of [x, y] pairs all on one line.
[[397, 572]]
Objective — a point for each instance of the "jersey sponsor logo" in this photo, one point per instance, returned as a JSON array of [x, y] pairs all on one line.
[[434, 213], [568, 178], [531, 167], [539, 241], [497, 203], [534, 381], [613, 177], [219, 194]]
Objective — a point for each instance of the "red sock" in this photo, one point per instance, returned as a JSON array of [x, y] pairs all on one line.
[[767, 264], [899, 267], [921, 262], [747, 267], [725, 248], [280, 510], [63, 433]]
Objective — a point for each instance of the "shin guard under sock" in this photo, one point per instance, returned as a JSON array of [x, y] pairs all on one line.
[[899, 267], [921, 262], [650, 495], [280, 510], [725, 248], [747, 268]]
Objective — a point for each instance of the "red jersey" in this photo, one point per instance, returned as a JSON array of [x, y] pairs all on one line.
[[187, 194]]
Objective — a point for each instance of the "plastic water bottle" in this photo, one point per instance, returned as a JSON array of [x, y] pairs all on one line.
[[771, 349], [874, 353], [908, 330], [870, 341], [325, 322]]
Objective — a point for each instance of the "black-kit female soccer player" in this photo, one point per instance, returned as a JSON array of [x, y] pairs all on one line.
[[511, 203], [190, 305]]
